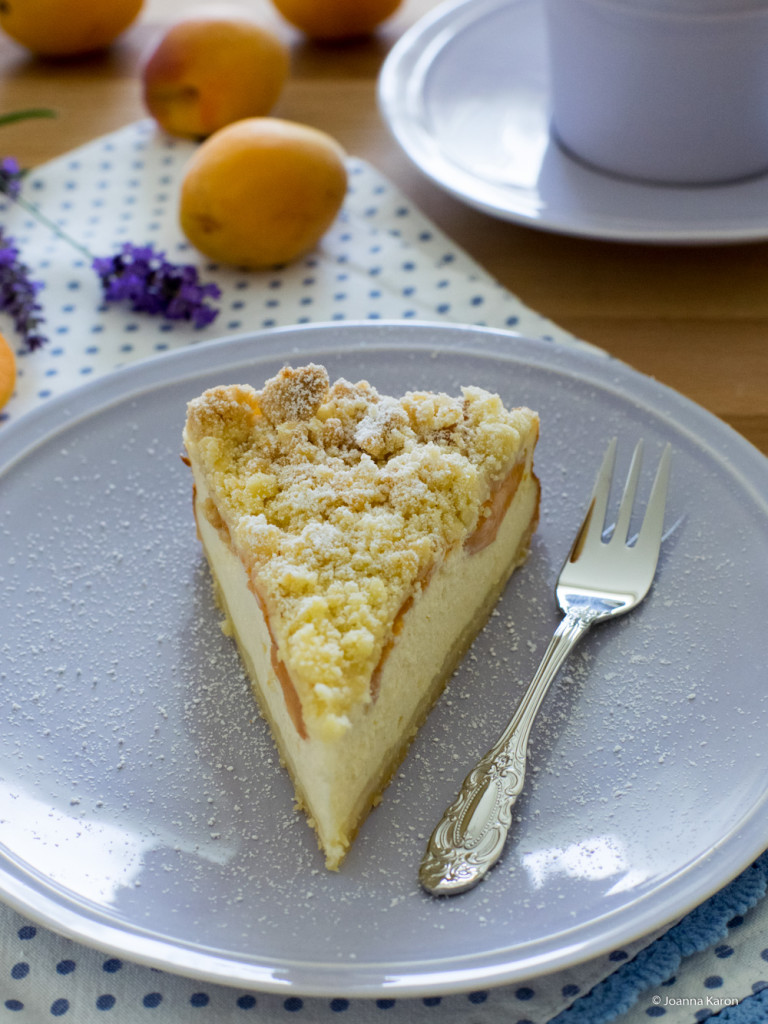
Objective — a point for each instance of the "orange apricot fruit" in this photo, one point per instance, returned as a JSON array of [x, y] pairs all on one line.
[[336, 19], [63, 28], [7, 371], [212, 67], [262, 192]]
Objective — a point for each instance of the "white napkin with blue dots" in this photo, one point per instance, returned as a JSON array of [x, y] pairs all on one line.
[[382, 259]]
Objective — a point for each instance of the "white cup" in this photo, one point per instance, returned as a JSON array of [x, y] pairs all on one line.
[[667, 91]]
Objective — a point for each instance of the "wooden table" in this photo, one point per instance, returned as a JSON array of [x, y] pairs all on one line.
[[694, 318]]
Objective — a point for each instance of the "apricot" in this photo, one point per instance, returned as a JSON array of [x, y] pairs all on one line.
[[63, 28], [7, 371], [262, 192], [213, 67], [336, 19]]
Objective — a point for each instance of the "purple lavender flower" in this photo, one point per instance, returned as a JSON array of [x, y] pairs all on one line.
[[18, 294], [137, 274], [10, 177], [143, 277]]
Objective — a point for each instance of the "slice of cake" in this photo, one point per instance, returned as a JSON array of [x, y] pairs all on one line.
[[357, 544]]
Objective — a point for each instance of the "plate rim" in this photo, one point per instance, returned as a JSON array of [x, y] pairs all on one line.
[[445, 976]]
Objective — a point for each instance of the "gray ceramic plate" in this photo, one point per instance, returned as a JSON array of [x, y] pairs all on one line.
[[143, 809]]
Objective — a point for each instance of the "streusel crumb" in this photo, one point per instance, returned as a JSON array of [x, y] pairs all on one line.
[[340, 501], [294, 394]]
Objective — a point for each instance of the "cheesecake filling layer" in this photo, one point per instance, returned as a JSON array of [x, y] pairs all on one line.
[[337, 782]]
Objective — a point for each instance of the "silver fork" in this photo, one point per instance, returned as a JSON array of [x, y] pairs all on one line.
[[599, 580]]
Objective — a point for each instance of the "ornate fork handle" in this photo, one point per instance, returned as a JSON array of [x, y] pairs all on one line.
[[470, 837]]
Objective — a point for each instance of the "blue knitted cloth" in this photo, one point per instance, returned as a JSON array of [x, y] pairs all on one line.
[[659, 961]]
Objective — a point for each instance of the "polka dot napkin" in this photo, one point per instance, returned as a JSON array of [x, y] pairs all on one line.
[[382, 259]]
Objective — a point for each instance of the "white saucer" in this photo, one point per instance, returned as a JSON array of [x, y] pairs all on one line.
[[466, 94]]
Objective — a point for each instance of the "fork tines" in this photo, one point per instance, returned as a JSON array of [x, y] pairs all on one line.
[[649, 534]]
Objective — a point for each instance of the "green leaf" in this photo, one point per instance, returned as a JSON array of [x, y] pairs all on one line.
[[22, 115]]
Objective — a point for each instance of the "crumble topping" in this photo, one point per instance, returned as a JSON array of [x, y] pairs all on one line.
[[294, 394], [339, 501]]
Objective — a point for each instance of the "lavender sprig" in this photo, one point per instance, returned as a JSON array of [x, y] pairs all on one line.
[[137, 275], [18, 294], [144, 278], [10, 177]]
